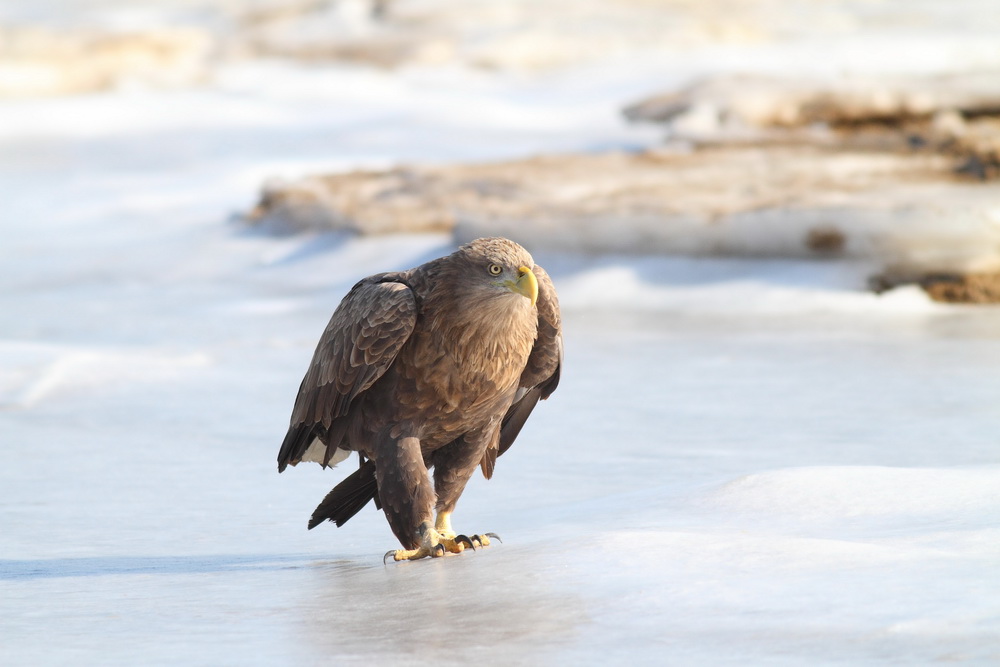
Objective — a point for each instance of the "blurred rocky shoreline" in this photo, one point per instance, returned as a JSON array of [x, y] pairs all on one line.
[[839, 129], [903, 173], [53, 47]]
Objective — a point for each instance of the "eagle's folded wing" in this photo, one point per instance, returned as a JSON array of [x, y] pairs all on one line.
[[361, 341]]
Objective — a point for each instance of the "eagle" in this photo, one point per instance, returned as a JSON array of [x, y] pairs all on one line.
[[433, 368]]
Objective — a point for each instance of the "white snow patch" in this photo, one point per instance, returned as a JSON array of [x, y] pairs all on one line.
[[38, 372], [831, 493], [763, 287]]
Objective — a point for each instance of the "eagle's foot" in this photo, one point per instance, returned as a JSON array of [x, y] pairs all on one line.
[[442, 524], [435, 544], [475, 541], [469, 542], [432, 543], [445, 545], [436, 551]]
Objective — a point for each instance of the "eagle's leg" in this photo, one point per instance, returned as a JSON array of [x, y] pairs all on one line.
[[408, 500], [454, 465]]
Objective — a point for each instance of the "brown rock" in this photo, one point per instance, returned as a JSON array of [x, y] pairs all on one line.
[[981, 288], [956, 115], [906, 212]]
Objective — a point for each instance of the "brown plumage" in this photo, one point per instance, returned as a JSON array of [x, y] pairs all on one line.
[[435, 367]]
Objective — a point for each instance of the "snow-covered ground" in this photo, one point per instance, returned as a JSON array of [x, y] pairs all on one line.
[[747, 462]]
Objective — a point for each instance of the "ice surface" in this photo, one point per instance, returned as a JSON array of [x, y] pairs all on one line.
[[747, 462]]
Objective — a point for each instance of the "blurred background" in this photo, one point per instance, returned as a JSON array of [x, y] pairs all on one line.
[[775, 231], [818, 128]]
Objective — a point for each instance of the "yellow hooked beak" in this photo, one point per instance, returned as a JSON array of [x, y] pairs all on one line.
[[526, 284]]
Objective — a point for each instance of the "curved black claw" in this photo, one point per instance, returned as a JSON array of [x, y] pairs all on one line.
[[439, 550], [484, 539], [385, 558], [464, 539]]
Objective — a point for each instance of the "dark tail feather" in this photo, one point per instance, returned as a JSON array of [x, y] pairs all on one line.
[[347, 498]]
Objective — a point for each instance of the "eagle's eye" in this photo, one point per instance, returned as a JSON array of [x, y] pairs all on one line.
[[496, 269]]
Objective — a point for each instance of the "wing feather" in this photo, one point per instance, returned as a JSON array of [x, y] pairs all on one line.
[[359, 344], [541, 374]]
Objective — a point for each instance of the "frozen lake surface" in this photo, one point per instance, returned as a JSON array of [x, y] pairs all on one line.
[[703, 488], [747, 462]]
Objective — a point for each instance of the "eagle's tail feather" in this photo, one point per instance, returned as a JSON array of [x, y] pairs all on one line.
[[347, 498]]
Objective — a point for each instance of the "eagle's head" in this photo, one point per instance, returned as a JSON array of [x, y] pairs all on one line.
[[497, 267]]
